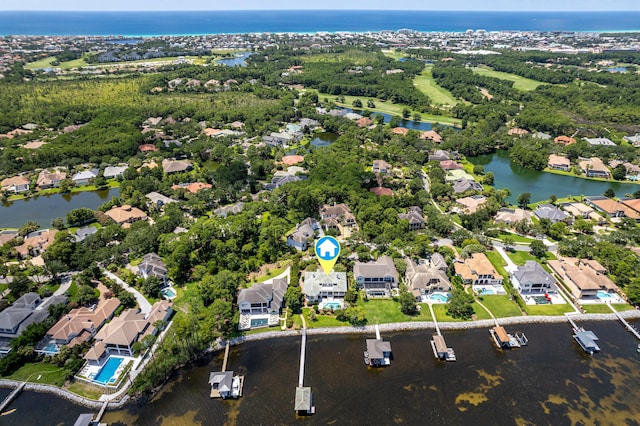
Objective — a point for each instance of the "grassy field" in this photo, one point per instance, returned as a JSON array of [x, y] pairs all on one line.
[[501, 306], [390, 108], [516, 238], [519, 83], [85, 389], [383, 311], [40, 373], [520, 257], [46, 63], [498, 262], [427, 85], [549, 309], [604, 309], [77, 63]]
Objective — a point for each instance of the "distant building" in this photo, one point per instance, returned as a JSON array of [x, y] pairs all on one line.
[[599, 142]]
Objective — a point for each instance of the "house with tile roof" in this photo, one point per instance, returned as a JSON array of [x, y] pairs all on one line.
[[564, 140], [377, 278], [126, 214], [35, 243], [431, 135], [594, 167], [50, 178], [478, 271], [176, 166], [559, 162], [471, 204], [510, 216], [15, 184], [612, 208], [584, 277]]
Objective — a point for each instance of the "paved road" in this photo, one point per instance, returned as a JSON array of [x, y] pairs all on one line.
[[64, 286], [145, 306]]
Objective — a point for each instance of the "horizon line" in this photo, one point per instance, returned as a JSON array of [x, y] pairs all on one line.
[[325, 10]]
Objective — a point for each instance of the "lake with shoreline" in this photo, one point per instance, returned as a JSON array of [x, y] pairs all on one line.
[[551, 381], [44, 208], [542, 184]]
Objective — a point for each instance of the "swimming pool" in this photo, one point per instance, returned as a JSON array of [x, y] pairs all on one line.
[[169, 293], [106, 374], [439, 297], [486, 291], [259, 322], [603, 295], [51, 348], [331, 305]]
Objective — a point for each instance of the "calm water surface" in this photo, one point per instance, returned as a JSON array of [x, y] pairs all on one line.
[[45, 208], [540, 184]]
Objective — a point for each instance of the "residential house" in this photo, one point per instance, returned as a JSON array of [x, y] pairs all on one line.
[[511, 216], [15, 184], [431, 135], [84, 232], [464, 185], [78, 326], [541, 135], [612, 208], [153, 266], [364, 122], [299, 239], [337, 216], [564, 140], [377, 278], [471, 204], [584, 277], [551, 212], [309, 123], [599, 142], [631, 203], [447, 165], [125, 215], [158, 199], [230, 209], [85, 177], [517, 132], [414, 216], [379, 191], [278, 181], [147, 147], [559, 162], [582, 211], [193, 187], [175, 166], [7, 235], [35, 243], [50, 178], [633, 140], [425, 278], [594, 167], [532, 279], [440, 155], [281, 139], [260, 305], [457, 174], [381, 166], [291, 160], [111, 172], [118, 336], [318, 286], [478, 271], [402, 131]]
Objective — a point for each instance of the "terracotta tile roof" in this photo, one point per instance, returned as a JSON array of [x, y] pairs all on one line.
[[564, 140], [400, 131], [381, 191]]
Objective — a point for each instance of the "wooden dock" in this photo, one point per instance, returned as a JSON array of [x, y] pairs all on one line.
[[624, 322], [226, 357], [13, 395], [439, 346], [304, 398], [101, 412]]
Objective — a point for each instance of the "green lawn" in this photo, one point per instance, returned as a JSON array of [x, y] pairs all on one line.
[[389, 108], [520, 257], [85, 389], [604, 309], [516, 238], [498, 262], [519, 83], [501, 306], [381, 311], [49, 374], [551, 310], [427, 85]]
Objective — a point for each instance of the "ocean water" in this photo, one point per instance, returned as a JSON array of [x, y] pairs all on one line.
[[223, 22]]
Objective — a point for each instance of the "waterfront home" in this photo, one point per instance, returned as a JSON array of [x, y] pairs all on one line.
[[118, 336], [78, 326], [50, 178], [291, 160], [633, 140], [7, 235], [16, 184], [402, 131], [159, 200], [511, 216], [584, 277], [364, 122], [35, 243], [631, 203], [153, 266], [478, 271], [85, 177], [306, 230], [440, 155], [471, 204], [175, 166], [26, 310], [260, 304], [414, 217], [84, 232], [582, 211], [559, 162], [599, 142], [594, 167], [377, 278], [425, 278], [551, 212], [431, 135], [193, 187], [532, 279], [319, 287], [612, 208], [337, 216], [381, 166], [447, 165], [457, 174], [564, 140], [464, 185], [125, 215], [111, 172]]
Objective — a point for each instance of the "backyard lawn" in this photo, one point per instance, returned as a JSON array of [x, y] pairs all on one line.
[[40, 373], [501, 306], [551, 310], [498, 262], [85, 389], [382, 311], [520, 257], [604, 309]]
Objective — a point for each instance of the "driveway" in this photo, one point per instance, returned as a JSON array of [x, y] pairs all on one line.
[[145, 306], [511, 267]]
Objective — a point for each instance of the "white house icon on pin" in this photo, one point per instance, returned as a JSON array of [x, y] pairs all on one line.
[[328, 249]]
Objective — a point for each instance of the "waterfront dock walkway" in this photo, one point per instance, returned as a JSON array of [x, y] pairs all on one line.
[[303, 354], [13, 395], [226, 357], [628, 326], [435, 322]]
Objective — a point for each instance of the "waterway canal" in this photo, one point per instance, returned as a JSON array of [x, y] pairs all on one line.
[[540, 184], [43, 209]]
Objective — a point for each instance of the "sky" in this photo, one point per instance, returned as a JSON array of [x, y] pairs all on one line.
[[487, 5]]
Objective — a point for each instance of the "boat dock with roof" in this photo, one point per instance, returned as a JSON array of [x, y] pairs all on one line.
[[223, 383], [439, 346], [504, 340], [585, 338], [378, 352], [304, 399]]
